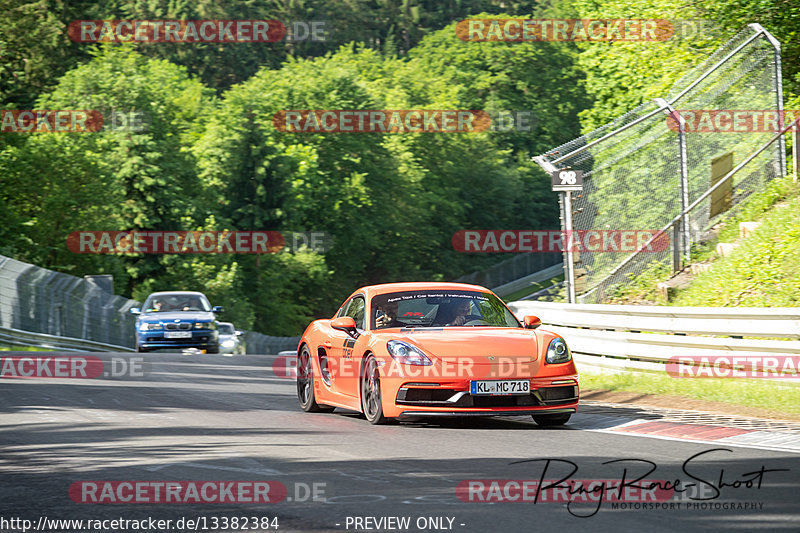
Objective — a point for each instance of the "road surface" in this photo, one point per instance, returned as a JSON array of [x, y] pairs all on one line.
[[74, 449]]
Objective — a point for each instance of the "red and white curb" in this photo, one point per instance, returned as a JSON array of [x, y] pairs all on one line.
[[784, 441]]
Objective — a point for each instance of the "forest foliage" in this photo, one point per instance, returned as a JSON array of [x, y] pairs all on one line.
[[209, 156]]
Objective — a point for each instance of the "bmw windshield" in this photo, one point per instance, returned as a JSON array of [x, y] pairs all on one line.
[[225, 329], [440, 308], [171, 302]]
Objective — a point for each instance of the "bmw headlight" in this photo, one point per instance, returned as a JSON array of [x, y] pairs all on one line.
[[557, 351], [149, 326], [204, 325], [405, 353]]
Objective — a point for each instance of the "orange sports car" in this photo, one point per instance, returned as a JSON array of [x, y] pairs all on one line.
[[434, 349]]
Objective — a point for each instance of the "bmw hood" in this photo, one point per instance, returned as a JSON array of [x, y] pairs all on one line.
[[180, 316]]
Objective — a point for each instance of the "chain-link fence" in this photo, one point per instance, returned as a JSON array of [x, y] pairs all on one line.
[[512, 269], [39, 300], [553, 293], [646, 167], [259, 343], [43, 301]]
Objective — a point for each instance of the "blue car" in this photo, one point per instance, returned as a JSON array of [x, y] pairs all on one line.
[[177, 320]]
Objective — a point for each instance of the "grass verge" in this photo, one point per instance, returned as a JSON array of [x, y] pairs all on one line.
[[534, 287], [738, 392], [7, 348], [764, 271]]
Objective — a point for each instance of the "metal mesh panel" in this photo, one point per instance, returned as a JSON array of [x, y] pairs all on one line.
[[258, 343], [511, 269], [632, 166], [42, 301]]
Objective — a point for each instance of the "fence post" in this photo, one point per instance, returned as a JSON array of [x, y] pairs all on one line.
[[567, 242], [685, 237], [795, 148], [685, 233], [565, 208], [776, 45], [59, 311]]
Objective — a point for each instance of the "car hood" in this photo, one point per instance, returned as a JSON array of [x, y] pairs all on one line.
[[180, 316], [454, 343]]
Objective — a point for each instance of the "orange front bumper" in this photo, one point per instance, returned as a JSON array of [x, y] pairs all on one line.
[[428, 396]]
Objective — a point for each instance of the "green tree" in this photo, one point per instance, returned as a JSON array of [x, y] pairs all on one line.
[[34, 48]]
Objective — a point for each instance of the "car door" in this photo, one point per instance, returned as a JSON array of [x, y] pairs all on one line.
[[343, 349]]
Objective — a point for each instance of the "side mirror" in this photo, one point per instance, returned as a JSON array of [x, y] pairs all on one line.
[[346, 324], [531, 322], [135, 311], [217, 309], [239, 333]]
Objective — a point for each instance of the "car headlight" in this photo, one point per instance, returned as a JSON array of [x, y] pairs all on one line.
[[149, 326], [203, 325], [405, 353], [557, 351], [228, 343]]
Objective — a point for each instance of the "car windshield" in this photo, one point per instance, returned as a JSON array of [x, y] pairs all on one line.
[[440, 308], [225, 329], [171, 302]]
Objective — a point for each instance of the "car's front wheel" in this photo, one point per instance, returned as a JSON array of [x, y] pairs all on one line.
[[371, 404], [305, 384], [552, 420]]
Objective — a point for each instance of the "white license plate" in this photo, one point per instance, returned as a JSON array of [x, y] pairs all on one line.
[[177, 334], [500, 387]]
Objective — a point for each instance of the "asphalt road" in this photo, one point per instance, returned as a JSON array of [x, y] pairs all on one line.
[[216, 419]]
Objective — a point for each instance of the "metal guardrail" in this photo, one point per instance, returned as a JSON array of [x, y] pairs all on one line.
[[48, 309], [721, 321], [527, 281], [502, 275], [643, 338], [18, 337], [255, 342]]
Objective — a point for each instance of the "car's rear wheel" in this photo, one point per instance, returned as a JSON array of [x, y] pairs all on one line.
[[371, 404], [305, 384], [552, 420]]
